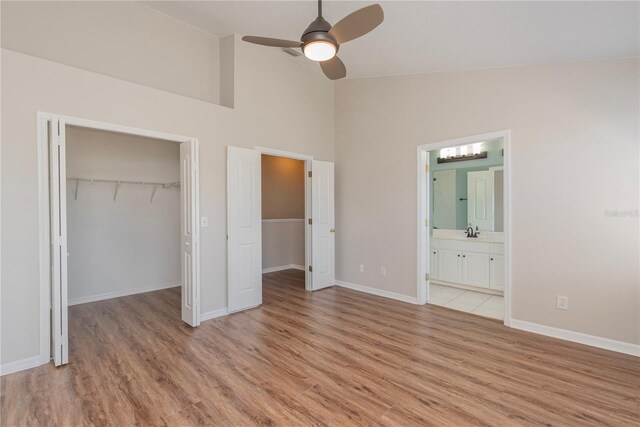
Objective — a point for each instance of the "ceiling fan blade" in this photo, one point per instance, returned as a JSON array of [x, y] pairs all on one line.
[[266, 41], [334, 68], [357, 24]]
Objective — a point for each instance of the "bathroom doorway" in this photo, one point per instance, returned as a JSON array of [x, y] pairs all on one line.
[[464, 225]]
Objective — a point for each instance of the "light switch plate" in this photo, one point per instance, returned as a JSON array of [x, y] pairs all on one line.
[[204, 222]]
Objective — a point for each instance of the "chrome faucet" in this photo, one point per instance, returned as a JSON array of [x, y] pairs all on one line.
[[471, 233]]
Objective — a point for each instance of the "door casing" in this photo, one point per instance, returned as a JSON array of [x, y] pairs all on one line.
[[423, 217], [44, 214], [308, 279]]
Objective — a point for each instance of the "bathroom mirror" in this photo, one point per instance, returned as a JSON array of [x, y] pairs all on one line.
[[467, 187]]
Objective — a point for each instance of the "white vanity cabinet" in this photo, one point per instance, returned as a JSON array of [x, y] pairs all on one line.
[[475, 269], [496, 272], [471, 263], [433, 263], [449, 263]]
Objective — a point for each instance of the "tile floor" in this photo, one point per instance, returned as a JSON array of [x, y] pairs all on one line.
[[470, 301]]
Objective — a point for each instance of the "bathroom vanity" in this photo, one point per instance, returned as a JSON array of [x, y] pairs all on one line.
[[476, 262]]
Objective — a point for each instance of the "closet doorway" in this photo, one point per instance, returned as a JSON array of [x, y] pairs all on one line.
[[244, 224], [119, 216], [283, 215]]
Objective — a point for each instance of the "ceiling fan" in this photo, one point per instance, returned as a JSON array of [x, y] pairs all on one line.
[[320, 41]]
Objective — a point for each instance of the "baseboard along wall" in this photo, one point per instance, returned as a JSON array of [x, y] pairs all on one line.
[[122, 293]]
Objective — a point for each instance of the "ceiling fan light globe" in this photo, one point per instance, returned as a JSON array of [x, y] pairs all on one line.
[[320, 50]]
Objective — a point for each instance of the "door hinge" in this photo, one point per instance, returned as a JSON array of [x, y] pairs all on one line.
[[309, 174], [310, 269], [310, 221], [427, 277], [426, 222], [426, 168]]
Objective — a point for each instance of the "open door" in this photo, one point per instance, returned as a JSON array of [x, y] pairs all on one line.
[[244, 232], [58, 206], [480, 199], [190, 233], [323, 248]]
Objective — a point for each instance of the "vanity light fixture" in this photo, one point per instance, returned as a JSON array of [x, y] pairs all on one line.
[[461, 153]]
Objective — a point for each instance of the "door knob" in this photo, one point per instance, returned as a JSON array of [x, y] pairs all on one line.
[[332, 229]]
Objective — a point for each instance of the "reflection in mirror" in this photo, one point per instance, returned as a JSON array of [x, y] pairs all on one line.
[[467, 187]]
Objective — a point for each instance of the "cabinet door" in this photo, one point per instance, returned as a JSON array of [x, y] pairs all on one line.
[[433, 263], [497, 272], [449, 265], [475, 269]]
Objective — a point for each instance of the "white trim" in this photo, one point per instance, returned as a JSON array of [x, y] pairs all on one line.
[[423, 211], [281, 153], [577, 337], [283, 267], [92, 124], [284, 220], [378, 292], [21, 365], [213, 314], [122, 293], [43, 227]]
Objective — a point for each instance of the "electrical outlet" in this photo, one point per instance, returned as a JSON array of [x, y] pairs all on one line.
[[562, 303], [383, 271], [204, 222], [361, 268]]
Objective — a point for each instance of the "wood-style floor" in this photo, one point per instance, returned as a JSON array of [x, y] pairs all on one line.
[[333, 357]]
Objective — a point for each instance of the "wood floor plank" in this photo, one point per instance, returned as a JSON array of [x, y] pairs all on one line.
[[330, 358]]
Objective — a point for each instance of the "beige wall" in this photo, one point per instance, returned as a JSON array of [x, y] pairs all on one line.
[[267, 86], [128, 243], [120, 39], [282, 188], [575, 148]]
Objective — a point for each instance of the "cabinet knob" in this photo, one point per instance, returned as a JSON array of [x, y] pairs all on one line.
[[464, 256], [458, 255], [491, 259]]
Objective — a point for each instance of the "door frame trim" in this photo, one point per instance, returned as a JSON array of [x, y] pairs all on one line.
[[424, 238], [42, 120], [308, 277]]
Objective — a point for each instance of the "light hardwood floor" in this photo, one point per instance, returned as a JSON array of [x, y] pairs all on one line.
[[333, 357]]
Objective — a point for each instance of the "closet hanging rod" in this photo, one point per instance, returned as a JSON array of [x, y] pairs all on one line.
[[118, 181]]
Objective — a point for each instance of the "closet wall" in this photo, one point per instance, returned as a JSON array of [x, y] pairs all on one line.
[[130, 244], [282, 213]]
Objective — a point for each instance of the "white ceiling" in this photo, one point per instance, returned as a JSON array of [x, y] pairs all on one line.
[[427, 36]]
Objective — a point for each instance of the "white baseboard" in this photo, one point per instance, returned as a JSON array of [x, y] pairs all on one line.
[[122, 293], [577, 337], [378, 292], [213, 314], [283, 267], [20, 365]]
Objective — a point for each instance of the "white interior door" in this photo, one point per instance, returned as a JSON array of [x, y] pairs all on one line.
[[244, 228], [189, 233], [444, 199], [323, 248], [480, 199], [58, 205]]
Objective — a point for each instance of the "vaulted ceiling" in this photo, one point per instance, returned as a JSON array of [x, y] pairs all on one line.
[[428, 36]]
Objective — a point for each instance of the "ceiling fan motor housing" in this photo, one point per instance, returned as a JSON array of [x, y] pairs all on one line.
[[318, 30]]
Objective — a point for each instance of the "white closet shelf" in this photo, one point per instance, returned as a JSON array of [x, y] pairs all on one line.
[[154, 185]]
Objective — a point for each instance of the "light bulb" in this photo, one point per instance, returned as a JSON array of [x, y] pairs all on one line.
[[319, 50]]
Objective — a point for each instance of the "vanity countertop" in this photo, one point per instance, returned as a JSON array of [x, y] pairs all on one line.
[[484, 237]]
